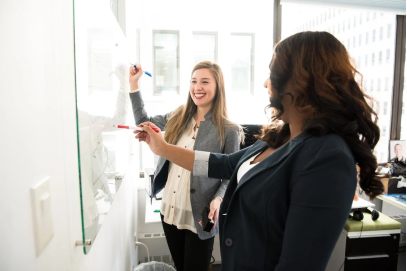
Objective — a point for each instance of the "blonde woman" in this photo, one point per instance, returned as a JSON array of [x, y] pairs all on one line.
[[201, 124]]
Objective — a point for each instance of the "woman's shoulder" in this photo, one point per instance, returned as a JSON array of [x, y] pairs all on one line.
[[233, 129], [231, 126], [327, 143]]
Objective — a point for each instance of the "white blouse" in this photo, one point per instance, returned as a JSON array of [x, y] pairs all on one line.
[[176, 202], [245, 167]]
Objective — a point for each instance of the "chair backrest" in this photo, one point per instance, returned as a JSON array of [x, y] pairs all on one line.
[[249, 131]]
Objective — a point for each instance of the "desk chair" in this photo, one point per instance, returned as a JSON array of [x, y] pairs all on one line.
[[249, 131]]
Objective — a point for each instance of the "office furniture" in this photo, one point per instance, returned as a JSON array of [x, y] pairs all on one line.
[[392, 201], [367, 245], [361, 203], [250, 130]]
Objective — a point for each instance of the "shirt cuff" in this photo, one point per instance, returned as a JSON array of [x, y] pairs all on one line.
[[134, 90], [201, 162]]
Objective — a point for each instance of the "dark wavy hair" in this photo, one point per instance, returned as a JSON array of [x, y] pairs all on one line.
[[318, 66]]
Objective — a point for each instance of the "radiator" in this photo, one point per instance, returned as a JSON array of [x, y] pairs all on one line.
[[157, 246]]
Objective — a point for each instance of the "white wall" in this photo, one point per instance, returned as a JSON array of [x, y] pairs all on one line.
[[38, 139]]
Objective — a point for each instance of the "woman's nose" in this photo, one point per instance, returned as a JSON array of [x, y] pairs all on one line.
[[198, 86], [266, 82]]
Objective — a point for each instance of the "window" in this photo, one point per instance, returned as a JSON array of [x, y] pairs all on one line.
[[373, 59], [381, 33], [379, 82], [389, 31], [386, 84], [372, 85], [354, 42], [169, 50], [242, 59], [366, 61], [166, 61], [383, 132], [348, 47], [354, 21], [367, 38], [205, 47], [373, 35], [385, 108], [360, 40], [367, 16], [387, 55], [380, 57]]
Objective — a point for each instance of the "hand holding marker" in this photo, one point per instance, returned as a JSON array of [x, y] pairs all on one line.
[[147, 73], [133, 127]]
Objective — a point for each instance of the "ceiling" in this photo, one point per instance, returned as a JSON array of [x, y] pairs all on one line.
[[396, 6]]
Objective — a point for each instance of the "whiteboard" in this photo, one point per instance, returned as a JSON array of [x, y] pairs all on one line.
[[101, 69]]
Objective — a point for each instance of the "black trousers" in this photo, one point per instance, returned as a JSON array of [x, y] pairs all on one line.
[[188, 251]]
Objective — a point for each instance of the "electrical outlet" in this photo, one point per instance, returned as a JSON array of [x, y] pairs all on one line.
[[42, 215]]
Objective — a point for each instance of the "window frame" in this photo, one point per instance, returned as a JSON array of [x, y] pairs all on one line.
[[398, 79]]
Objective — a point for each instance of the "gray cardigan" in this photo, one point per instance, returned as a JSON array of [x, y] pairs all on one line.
[[202, 189]]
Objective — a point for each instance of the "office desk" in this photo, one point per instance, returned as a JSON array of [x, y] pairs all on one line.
[[392, 201], [367, 245], [361, 203]]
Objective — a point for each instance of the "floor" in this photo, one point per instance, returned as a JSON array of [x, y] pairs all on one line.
[[401, 265]]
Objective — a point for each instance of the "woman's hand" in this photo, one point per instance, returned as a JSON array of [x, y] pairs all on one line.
[[154, 140], [214, 211], [134, 76]]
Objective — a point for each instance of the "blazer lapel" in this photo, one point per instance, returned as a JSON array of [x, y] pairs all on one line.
[[252, 150], [272, 160]]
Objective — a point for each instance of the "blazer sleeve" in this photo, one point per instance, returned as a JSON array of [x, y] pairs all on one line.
[[232, 144], [216, 165], [320, 202], [140, 114]]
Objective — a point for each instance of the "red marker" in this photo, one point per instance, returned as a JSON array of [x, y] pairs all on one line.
[[132, 127]]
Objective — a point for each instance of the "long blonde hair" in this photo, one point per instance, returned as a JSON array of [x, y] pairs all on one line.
[[179, 118]]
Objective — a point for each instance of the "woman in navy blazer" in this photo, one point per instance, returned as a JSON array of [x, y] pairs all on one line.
[[290, 193]]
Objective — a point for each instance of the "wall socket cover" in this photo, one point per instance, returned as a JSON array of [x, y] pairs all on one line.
[[42, 215]]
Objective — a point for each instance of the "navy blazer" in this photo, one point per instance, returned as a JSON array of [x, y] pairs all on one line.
[[288, 211]]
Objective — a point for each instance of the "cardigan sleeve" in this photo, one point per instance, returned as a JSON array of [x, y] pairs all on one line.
[[140, 114], [232, 145]]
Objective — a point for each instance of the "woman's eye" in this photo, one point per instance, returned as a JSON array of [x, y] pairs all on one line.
[[205, 82], [193, 82]]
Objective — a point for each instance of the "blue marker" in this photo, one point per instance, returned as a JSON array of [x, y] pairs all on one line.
[[147, 73]]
